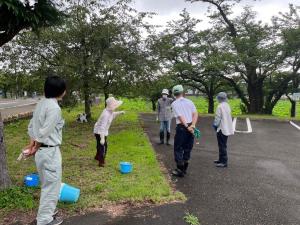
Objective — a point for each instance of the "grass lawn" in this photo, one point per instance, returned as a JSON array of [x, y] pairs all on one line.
[[99, 186], [281, 110], [127, 142]]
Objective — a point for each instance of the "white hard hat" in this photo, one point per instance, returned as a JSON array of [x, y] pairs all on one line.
[[165, 92]]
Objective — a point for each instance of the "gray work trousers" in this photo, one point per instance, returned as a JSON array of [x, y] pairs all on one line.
[[49, 166]]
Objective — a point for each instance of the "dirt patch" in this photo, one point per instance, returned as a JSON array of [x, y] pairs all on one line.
[[80, 146], [19, 218], [116, 210]]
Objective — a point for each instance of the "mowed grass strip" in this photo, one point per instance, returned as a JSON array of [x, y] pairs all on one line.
[[281, 110], [127, 142]]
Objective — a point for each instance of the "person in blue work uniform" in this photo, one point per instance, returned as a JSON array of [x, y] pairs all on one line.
[[45, 131], [186, 119]]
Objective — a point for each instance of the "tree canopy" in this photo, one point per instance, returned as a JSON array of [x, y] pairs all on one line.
[[17, 15], [109, 48]]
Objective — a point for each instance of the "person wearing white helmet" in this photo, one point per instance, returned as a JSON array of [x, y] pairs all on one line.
[[164, 116], [102, 126], [224, 127], [186, 119]]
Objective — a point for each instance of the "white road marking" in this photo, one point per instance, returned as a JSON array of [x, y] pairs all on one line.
[[7, 103], [295, 125], [234, 123], [17, 106], [249, 127]]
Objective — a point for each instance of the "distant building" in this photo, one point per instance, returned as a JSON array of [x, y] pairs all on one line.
[[192, 92]]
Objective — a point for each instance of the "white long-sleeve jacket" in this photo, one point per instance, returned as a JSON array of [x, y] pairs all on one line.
[[223, 119], [103, 124]]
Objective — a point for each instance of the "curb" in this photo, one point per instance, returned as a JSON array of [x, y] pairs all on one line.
[[17, 117]]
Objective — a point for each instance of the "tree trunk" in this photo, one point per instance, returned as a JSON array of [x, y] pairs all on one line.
[[271, 102], [268, 109], [106, 96], [87, 104], [4, 94], [7, 36], [293, 108], [238, 90], [211, 104], [5, 181], [153, 101], [256, 98]]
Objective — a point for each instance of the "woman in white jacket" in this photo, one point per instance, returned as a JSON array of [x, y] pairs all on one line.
[[224, 128], [102, 126]]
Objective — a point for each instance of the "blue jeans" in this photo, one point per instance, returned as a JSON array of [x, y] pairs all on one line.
[[165, 125], [183, 145]]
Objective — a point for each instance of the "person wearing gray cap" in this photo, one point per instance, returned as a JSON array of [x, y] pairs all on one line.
[[224, 127]]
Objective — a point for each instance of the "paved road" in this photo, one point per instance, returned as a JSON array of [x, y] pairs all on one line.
[[260, 187], [12, 107]]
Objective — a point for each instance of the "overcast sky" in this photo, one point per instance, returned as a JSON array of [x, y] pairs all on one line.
[[169, 9]]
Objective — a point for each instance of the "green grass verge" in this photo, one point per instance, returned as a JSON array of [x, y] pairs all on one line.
[[281, 110], [127, 142]]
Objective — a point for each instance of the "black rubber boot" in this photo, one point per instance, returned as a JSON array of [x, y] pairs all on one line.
[[185, 167], [161, 136], [168, 138], [179, 171]]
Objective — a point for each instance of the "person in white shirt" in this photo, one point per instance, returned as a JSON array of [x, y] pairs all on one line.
[[224, 128], [102, 126], [186, 118]]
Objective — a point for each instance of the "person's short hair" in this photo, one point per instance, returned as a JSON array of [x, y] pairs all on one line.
[[54, 87], [177, 94]]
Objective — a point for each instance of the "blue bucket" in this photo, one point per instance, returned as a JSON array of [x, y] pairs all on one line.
[[32, 180], [125, 167], [68, 193]]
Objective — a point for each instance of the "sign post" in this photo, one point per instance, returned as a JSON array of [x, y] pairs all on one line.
[[296, 97]]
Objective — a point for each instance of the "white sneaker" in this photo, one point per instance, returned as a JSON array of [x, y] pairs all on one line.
[[56, 221], [55, 213]]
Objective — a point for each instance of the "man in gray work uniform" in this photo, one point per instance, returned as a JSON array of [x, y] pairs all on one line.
[[164, 115], [45, 131]]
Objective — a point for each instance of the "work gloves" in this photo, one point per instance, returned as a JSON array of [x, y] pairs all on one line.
[[102, 141]]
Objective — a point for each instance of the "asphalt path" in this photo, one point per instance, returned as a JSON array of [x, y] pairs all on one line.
[[12, 107], [261, 186]]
